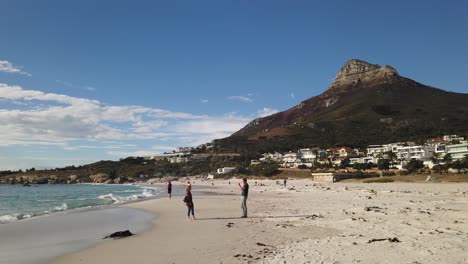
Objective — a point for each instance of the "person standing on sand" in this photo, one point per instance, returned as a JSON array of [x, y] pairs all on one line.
[[284, 182], [244, 195], [189, 202], [169, 189]]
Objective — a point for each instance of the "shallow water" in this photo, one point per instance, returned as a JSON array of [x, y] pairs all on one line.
[[18, 202]]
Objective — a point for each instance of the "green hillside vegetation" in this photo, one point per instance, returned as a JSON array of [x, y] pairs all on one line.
[[389, 112], [128, 170]]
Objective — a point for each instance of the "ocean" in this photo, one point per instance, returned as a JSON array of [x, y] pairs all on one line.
[[19, 202]]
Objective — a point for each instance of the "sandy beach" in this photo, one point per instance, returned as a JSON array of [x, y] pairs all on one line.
[[304, 222], [40, 239]]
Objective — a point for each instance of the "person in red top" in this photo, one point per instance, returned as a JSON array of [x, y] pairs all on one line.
[[189, 202], [169, 189]]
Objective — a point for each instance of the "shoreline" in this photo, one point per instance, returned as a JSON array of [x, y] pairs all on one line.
[[85, 208], [63, 232], [305, 221], [41, 239]]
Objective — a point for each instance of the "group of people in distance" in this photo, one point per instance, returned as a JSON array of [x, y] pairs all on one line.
[[189, 201]]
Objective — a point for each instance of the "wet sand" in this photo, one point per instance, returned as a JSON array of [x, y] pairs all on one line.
[[40, 239]]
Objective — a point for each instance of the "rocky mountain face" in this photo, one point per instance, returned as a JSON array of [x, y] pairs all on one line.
[[357, 72], [365, 104]]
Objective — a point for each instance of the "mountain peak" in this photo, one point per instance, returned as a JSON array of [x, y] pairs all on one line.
[[357, 71]]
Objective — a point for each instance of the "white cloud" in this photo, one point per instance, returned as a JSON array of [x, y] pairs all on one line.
[[163, 148], [89, 88], [116, 146], [64, 83], [204, 101], [139, 153], [57, 119], [68, 84], [8, 67], [240, 98], [266, 112], [147, 127]]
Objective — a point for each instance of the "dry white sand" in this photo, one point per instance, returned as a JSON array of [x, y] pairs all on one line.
[[302, 223]]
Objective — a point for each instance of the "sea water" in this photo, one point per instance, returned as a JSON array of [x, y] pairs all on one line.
[[19, 202]]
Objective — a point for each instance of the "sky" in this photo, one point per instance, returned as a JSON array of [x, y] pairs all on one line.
[[82, 81]]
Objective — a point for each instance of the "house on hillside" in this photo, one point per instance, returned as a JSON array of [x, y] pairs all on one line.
[[225, 170], [183, 149], [336, 155], [179, 159], [308, 154], [341, 152], [450, 138], [418, 152], [289, 159], [457, 151], [275, 157], [255, 162], [361, 160]]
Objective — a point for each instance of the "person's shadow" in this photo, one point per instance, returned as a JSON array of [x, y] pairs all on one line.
[[261, 217]]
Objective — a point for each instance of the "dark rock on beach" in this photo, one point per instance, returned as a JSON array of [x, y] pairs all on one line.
[[119, 234]]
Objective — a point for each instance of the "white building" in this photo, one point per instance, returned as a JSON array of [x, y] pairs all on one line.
[[183, 149], [289, 159], [457, 151], [439, 148], [380, 150], [307, 155], [178, 159], [276, 157], [255, 162], [415, 152], [450, 138], [362, 160], [225, 170]]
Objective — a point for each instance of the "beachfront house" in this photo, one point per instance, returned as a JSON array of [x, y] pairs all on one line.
[[419, 152], [361, 160], [452, 138], [275, 157], [225, 170], [308, 155], [183, 149], [457, 151], [179, 159], [341, 152], [289, 159], [255, 162]]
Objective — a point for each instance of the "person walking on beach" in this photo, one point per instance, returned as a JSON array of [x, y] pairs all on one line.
[[284, 182], [244, 195], [169, 189], [189, 186], [189, 202]]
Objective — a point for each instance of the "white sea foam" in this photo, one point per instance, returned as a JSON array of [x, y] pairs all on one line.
[[110, 196], [63, 207], [51, 205], [121, 199], [7, 218], [13, 217]]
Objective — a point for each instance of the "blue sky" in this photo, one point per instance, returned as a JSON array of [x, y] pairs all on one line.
[[82, 81]]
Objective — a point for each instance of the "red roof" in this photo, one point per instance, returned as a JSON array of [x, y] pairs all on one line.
[[339, 148]]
